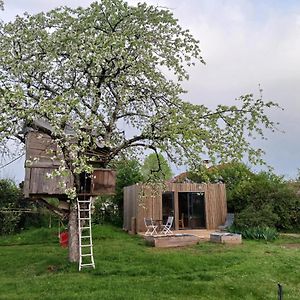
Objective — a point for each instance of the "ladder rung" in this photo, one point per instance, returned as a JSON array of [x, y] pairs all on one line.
[[90, 254], [85, 236], [89, 245], [86, 227], [84, 201], [87, 265], [80, 210], [83, 218]]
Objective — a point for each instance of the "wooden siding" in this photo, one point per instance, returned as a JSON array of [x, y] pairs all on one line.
[[103, 182], [141, 202], [41, 150], [40, 161], [37, 182]]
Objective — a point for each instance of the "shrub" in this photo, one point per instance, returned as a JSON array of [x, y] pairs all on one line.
[[106, 211], [262, 199], [253, 217], [266, 197], [12, 218], [257, 233], [10, 196]]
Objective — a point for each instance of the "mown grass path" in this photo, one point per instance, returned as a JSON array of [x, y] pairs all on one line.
[[33, 266]]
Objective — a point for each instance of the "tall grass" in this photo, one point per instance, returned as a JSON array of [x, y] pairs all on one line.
[[256, 233]]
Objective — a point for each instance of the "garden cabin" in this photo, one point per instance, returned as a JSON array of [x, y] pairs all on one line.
[[194, 206]]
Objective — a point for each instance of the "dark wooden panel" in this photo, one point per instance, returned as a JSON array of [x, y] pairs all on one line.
[[42, 185], [41, 151], [103, 182]]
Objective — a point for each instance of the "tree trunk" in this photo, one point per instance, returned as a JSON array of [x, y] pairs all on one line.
[[73, 235]]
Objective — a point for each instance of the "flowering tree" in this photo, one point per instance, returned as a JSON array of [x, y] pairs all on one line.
[[102, 72]]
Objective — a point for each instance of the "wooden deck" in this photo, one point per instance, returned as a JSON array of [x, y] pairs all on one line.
[[202, 234]]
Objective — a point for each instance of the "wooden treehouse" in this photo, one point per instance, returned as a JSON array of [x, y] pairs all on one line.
[[42, 158]]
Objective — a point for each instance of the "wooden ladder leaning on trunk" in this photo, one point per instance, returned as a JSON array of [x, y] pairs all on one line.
[[86, 258]]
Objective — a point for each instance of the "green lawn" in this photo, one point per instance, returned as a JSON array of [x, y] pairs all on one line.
[[33, 266]]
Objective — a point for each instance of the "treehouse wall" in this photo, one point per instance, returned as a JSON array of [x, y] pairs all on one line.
[[43, 157], [40, 161]]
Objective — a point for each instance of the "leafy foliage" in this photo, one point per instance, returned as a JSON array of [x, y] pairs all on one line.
[[102, 69], [268, 195], [258, 200], [17, 213], [257, 233], [128, 173], [250, 217], [232, 174], [156, 168], [10, 196]]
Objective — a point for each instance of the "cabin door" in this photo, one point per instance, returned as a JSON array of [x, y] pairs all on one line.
[[192, 209]]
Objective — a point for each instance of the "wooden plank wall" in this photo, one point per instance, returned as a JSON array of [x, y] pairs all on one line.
[[151, 206], [103, 182], [40, 146], [130, 207], [40, 184], [41, 151]]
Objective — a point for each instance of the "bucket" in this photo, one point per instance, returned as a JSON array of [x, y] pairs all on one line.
[[63, 239]]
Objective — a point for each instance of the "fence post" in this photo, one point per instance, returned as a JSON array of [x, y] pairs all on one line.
[[280, 292]]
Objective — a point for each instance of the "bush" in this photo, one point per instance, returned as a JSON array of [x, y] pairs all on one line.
[[253, 217], [257, 233], [268, 200], [106, 211], [12, 217], [262, 199], [10, 196]]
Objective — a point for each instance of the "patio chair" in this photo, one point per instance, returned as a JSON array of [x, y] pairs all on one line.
[[229, 221], [167, 227], [151, 227]]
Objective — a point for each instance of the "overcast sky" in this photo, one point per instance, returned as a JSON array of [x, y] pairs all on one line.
[[244, 43]]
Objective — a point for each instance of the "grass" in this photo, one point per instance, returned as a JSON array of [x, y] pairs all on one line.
[[33, 266]]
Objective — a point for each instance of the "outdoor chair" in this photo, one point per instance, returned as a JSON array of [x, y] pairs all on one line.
[[151, 227], [167, 227], [229, 221]]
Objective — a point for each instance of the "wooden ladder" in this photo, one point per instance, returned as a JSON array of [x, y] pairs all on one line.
[[86, 258]]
